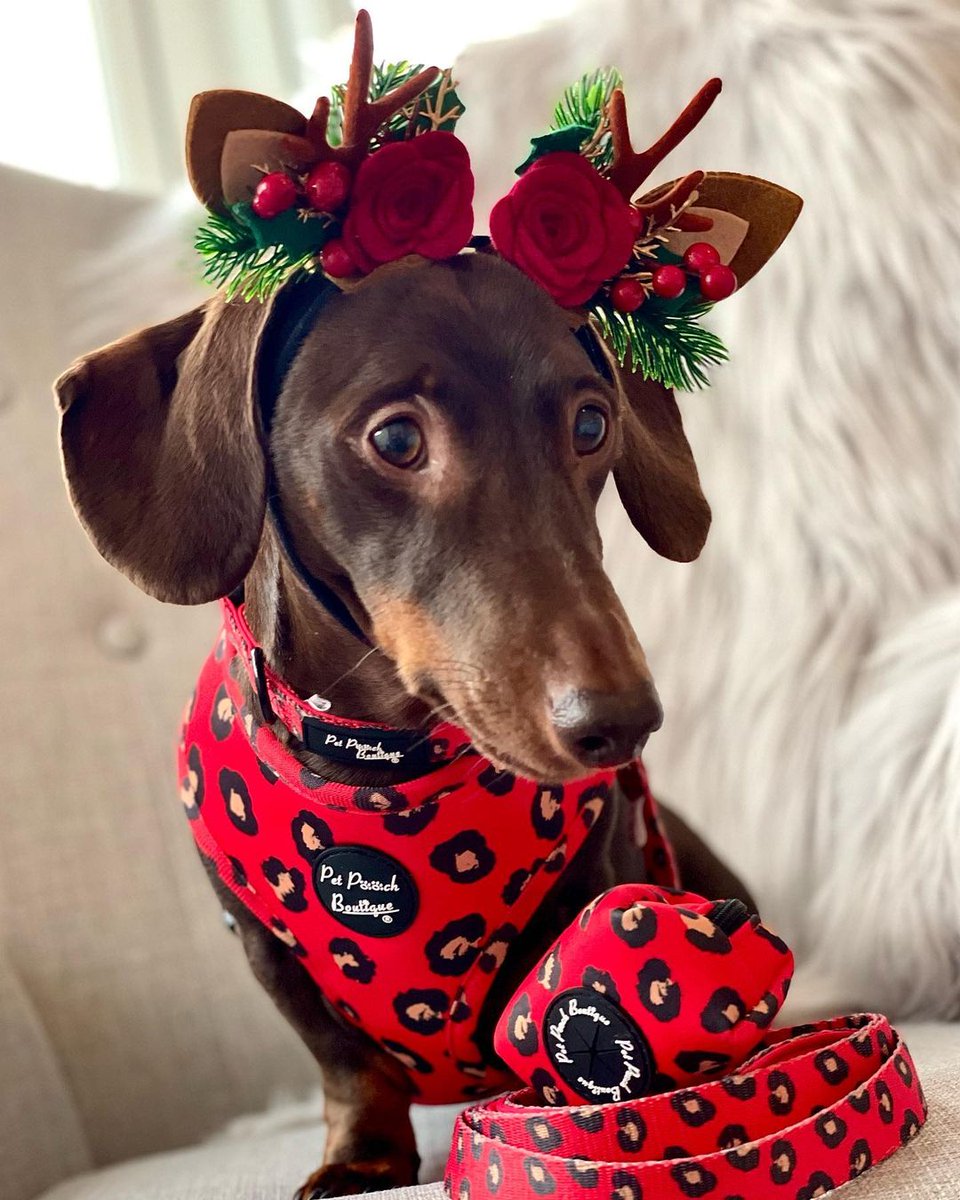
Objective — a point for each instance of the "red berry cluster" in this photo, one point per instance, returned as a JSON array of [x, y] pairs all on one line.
[[701, 259], [325, 189]]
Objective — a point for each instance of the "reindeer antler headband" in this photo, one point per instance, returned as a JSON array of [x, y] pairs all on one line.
[[376, 173]]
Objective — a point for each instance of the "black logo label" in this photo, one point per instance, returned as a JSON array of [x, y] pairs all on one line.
[[376, 747], [597, 1050], [365, 890]]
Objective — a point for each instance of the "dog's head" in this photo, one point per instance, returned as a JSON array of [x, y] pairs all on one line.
[[436, 441], [439, 446]]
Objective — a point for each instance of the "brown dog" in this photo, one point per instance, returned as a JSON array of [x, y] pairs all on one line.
[[462, 538]]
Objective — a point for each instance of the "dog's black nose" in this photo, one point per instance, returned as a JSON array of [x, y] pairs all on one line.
[[605, 729]]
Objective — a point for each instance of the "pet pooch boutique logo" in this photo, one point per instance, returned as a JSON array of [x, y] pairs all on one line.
[[595, 1047], [365, 890]]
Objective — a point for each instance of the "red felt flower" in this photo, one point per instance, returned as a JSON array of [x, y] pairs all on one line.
[[412, 197], [565, 226]]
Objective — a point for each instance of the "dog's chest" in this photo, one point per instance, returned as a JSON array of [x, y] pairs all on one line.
[[401, 902]]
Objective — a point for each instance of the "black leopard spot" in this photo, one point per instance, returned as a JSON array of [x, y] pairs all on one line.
[[477, 1069], [454, 949], [861, 1158], [692, 1109], [659, 993], [702, 933], [626, 1186], [902, 1068], [582, 1173], [831, 1066], [311, 835], [498, 783], [910, 1127], [782, 1093], [351, 960], [884, 1102], [410, 1058], [546, 812], [379, 800], [422, 1010], [884, 1043], [408, 822], [288, 884], [693, 1179], [521, 1031], [601, 982], [495, 951], [863, 1043], [494, 1175], [476, 1145], [515, 885], [546, 1085], [539, 1177], [460, 1010], [636, 925], [236, 796], [724, 1009], [220, 647], [238, 872], [702, 1062], [584, 918], [463, 1190], [191, 785], [267, 772], [286, 936], [671, 1153], [556, 859], [818, 1185], [590, 803], [783, 1161], [588, 1118], [221, 714], [313, 781], [631, 1130], [764, 1010], [544, 1135], [465, 857], [831, 1129], [777, 942], [860, 1099], [548, 973], [740, 1154], [740, 1087]]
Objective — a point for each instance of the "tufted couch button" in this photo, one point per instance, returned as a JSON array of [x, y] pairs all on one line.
[[120, 636]]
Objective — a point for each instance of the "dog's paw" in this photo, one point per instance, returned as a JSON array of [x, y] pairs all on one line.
[[354, 1178]]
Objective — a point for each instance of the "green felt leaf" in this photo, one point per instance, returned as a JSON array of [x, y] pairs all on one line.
[[569, 137]]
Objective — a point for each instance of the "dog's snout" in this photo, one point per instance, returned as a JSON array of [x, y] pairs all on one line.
[[605, 729]]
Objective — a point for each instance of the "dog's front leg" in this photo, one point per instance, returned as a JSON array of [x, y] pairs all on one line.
[[370, 1141]]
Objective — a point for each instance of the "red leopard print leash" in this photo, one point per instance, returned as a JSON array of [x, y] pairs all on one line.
[[656, 1076]]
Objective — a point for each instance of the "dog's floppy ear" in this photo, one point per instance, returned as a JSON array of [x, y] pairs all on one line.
[[655, 474], [162, 451]]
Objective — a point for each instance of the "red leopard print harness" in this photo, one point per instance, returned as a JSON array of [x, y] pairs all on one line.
[[400, 901]]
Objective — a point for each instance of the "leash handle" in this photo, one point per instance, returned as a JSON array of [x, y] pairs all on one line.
[[816, 1106]]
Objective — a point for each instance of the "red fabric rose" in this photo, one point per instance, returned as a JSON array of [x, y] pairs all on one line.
[[412, 197], [565, 226]]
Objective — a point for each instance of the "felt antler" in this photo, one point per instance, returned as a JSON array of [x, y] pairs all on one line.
[[233, 137], [630, 169], [362, 117]]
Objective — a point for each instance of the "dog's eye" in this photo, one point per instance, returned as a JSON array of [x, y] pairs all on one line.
[[399, 442], [589, 429]]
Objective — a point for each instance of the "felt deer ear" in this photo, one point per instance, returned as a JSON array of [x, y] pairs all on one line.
[[747, 219], [162, 451], [655, 475]]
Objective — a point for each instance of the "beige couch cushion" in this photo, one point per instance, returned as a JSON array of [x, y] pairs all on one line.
[[158, 1031]]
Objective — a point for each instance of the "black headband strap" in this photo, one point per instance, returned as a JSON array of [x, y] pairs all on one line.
[[294, 314]]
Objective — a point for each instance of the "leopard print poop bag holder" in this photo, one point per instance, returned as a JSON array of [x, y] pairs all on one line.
[[658, 1076]]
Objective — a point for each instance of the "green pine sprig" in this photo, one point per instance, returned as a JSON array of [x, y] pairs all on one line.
[[663, 339], [585, 103], [237, 261], [439, 107]]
